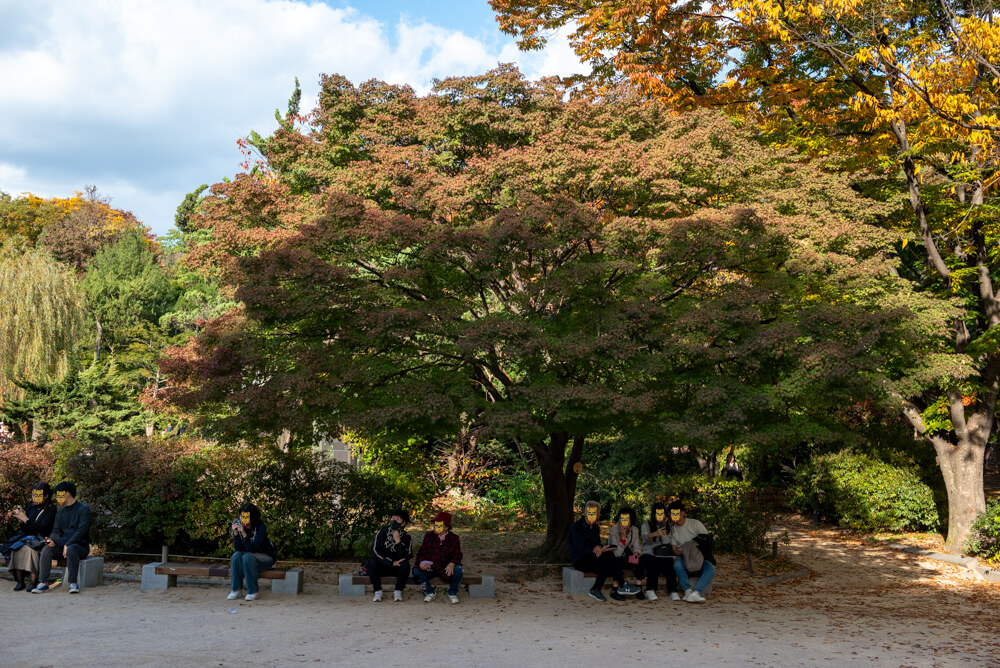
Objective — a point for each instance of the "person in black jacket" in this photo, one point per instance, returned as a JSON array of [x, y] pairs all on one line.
[[254, 552], [70, 539], [391, 555], [36, 523], [587, 552]]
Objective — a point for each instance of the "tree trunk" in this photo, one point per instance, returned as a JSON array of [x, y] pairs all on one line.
[[962, 467], [559, 478]]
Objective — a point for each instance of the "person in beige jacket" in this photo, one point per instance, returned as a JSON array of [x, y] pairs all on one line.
[[626, 542]]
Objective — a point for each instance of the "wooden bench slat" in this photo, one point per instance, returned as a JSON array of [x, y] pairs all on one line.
[[467, 579], [209, 570]]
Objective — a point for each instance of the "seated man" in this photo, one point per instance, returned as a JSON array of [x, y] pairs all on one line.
[[683, 535], [588, 554], [391, 555], [70, 539], [440, 555]]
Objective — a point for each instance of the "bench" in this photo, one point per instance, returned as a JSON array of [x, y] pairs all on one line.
[[578, 582], [91, 571], [478, 586], [159, 576]]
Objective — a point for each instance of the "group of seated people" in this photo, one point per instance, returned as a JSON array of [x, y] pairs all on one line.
[[668, 543], [48, 530]]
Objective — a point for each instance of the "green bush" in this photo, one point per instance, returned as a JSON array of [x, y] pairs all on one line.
[[144, 493], [734, 511], [21, 466], [864, 494], [984, 538]]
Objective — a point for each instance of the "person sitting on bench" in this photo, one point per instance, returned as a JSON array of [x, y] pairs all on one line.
[[657, 553], [254, 552], [36, 522], [391, 555], [440, 555], [589, 555], [683, 534], [626, 545], [70, 539]]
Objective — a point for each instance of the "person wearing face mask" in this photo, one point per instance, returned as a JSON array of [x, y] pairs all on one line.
[[687, 536], [391, 555], [626, 545], [589, 555], [440, 555], [22, 550], [254, 552], [70, 539], [657, 553]]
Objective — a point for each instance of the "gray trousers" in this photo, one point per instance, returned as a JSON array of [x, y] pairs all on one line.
[[74, 553]]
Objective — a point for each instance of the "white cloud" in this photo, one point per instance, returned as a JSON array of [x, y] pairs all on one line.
[[146, 99]]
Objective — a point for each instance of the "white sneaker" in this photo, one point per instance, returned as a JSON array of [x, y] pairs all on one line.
[[378, 596], [429, 597], [453, 598], [233, 595], [651, 595], [694, 597], [252, 597], [397, 595], [674, 596]]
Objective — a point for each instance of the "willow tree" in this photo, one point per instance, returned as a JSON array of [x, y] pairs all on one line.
[[42, 315]]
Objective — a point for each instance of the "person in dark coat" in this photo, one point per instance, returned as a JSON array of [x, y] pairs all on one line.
[[588, 553], [36, 523], [70, 539], [440, 555], [254, 552], [391, 555]]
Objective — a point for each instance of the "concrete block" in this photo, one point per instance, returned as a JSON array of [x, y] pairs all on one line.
[[292, 584], [91, 572], [484, 590], [153, 582], [347, 586], [575, 582]]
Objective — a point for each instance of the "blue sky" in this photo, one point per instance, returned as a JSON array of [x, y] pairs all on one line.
[[146, 99]]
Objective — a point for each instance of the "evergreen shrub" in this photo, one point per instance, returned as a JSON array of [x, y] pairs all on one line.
[[984, 538]]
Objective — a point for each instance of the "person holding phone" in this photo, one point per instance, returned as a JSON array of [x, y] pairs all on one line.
[[657, 553], [588, 554], [254, 552], [440, 555], [686, 538], [391, 555], [36, 523], [626, 546], [70, 539]]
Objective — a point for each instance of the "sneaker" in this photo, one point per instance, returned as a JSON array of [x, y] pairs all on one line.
[[628, 589], [674, 596], [20, 586], [453, 598], [252, 597], [597, 595], [651, 595], [429, 596], [74, 588], [615, 595], [377, 597], [397, 595], [40, 588], [694, 597], [233, 595]]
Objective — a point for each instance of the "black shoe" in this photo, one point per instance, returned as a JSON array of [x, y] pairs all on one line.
[[615, 595], [597, 595], [19, 586]]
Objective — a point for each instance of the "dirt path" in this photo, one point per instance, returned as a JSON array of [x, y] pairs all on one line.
[[861, 606]]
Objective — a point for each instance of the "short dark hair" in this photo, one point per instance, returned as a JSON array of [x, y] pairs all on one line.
[[677, 505], [403, 515], [67, 486]]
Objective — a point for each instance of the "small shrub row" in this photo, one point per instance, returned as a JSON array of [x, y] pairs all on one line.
[[984, 538]]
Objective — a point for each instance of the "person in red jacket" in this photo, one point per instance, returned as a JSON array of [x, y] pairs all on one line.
[[440, 555]]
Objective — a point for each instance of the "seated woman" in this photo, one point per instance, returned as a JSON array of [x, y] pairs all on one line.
[[36, 522], [626, 546], [657, 554], [254, 552]]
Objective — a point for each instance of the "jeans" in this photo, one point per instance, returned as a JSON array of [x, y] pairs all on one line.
[[74, 553], [248, 565], [653, 567], [376, 569], [604, 565], [707, 573], [423, 578]]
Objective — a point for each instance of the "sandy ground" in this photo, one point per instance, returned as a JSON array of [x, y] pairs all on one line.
[[861, 606]]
